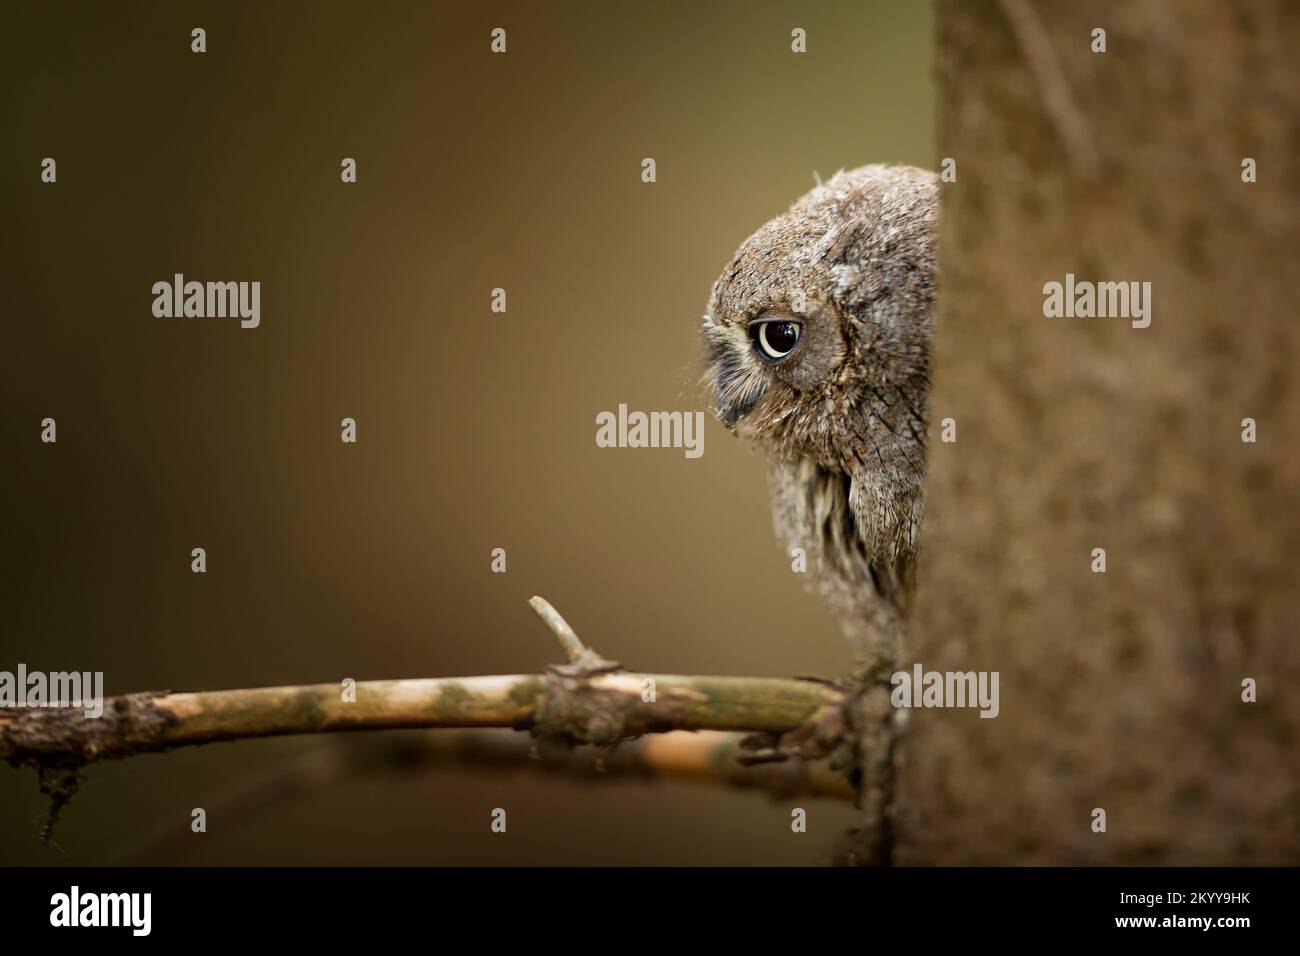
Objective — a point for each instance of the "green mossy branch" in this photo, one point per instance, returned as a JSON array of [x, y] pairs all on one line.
[[586, 701]]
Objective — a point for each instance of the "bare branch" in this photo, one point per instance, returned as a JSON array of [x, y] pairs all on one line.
[[603, 709], [588, 700]]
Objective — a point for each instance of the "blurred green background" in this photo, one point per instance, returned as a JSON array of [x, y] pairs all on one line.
[[476, 430]]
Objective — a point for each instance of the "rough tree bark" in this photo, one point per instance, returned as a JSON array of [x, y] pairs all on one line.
[[1121, 690]]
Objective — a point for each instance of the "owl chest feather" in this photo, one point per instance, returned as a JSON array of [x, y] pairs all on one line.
[[863, 578]]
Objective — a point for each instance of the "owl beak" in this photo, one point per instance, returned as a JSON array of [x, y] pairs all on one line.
[[731, 401], [731, 412], [724, 410], [728, 416]]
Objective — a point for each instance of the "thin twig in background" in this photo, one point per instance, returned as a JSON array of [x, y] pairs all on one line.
[[1064, 112], [706, 757]]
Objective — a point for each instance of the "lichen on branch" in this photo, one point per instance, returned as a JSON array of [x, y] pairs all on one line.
[[587, 701]]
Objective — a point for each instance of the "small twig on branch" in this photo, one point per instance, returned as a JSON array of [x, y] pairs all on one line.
[[573, 648], [583, 661]]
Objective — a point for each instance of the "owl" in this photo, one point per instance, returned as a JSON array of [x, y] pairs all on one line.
[[817, 344]]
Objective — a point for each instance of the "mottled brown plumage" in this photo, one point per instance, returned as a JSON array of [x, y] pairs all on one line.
[[842, 416]]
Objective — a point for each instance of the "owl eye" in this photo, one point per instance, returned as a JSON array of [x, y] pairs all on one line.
[[776, 339]]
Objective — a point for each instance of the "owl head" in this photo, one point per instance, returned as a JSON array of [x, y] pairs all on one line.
[[817, 342]]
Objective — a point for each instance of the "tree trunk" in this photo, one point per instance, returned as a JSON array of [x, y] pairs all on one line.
[[1121, 690]]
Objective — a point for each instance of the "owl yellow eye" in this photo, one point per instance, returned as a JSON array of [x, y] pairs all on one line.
[[775, 340]]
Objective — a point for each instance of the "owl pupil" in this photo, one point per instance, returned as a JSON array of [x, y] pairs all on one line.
[[783, 336], [775, 340]]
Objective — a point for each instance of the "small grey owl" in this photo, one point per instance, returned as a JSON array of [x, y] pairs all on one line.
[[818, 340]]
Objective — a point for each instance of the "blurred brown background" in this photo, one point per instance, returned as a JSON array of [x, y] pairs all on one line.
[[476, 430]]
